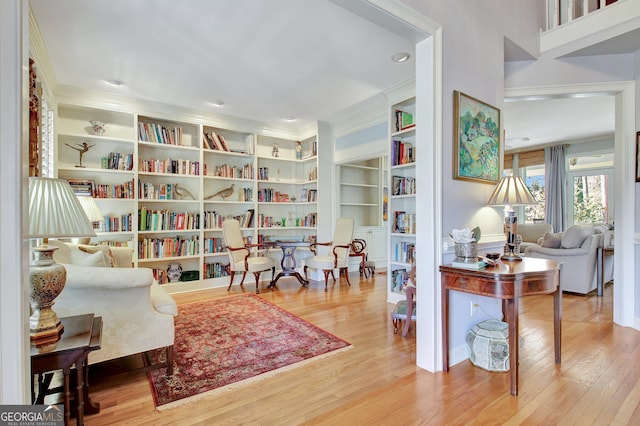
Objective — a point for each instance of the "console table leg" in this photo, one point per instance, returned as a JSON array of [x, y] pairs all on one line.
[[512, 320]]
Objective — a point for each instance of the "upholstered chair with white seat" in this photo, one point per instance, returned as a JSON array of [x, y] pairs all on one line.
[[241, 256], [337, 255], [137, 313]]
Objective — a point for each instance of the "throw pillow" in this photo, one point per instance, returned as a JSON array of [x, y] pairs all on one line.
[[575, 236], [551, 239], [79, 257], [95, 252]]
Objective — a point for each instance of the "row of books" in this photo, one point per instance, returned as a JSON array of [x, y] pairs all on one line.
[[169, 165], [214, 141], [309, 220], [229, 171], [214, 245], [89, 188], [404, 223], [162, 220], [313, 174], [215, 270], [402, 153], [122, 223], [159, 133], [158, 248], [403, 185], [114, 243], [404, 252], [117, 161], [399, 278], [309, 196], [157, 191], [263, 173], [403, 120], [270, 195]]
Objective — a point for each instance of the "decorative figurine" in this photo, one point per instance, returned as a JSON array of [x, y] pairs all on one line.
[[274, 151], [224, 193], [98, 127], [299, 150], [81, 148]]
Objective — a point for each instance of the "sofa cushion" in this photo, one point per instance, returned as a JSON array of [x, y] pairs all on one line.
[[92, 256], [63, 254], [575, 236], [108, 257], [551, 239]]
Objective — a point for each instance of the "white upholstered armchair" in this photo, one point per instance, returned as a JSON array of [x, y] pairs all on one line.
[[240, 255], [137, 313], [338, 253]]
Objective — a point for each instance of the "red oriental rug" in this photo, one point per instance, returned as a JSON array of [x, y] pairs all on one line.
[[224, 341]]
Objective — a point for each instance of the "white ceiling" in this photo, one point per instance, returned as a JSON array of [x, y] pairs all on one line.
[[266, 60]]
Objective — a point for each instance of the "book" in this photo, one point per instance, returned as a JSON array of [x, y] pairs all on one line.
[[479, 264]]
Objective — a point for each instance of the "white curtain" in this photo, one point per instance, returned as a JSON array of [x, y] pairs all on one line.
[[556, 189]]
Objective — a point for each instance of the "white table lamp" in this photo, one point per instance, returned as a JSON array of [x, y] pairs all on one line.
[[511, 191], [93, 213], [54, 212]]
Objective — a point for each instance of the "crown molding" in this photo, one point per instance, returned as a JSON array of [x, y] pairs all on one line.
[[93, 99], [38, 52]]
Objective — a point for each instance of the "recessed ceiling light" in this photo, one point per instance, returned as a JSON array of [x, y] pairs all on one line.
[[115, 82], [289, 119], [401, 57], [217, 104]]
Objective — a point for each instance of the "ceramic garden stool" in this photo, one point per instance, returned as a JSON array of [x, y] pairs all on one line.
[[489, 345], [400, 314]]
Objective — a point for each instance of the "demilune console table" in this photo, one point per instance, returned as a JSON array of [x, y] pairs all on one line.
[[508, 280]]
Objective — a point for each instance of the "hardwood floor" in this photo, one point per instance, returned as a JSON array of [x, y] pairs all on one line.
[[377, 382]]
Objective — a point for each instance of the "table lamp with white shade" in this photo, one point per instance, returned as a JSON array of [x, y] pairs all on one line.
[[511, 191], [54, 212]]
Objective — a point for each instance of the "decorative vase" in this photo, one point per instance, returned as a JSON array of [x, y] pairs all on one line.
[[174, 272], [467, 252], [98, 127]]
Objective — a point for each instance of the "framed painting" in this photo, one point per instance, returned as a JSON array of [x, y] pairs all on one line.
[[476, 136], [637, 156]]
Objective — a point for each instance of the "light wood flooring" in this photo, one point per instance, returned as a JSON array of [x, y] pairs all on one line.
[[378, 383]]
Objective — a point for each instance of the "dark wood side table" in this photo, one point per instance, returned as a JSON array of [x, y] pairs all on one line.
[[508, 281], [82, 334], [288, 262], [602, 252]]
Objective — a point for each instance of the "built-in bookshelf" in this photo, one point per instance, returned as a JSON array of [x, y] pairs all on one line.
[[402, 197], [165, 186]]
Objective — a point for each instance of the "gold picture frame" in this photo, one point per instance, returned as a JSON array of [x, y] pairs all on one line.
[[477, 145]]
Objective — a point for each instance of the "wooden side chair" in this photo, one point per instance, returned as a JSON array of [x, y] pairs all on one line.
[[359, 249], [338, 256], [240, 258]]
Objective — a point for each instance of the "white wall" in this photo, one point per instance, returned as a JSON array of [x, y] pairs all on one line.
[[473, 57], [14, 341]]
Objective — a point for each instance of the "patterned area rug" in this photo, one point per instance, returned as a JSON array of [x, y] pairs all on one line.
[[224, 341]]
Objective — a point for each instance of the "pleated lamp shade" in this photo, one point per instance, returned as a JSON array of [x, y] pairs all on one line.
[[91, 208], [54, 210], [511, 191]]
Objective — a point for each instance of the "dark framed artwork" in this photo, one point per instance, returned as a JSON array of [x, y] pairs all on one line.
[[476, 140], [637, 156]]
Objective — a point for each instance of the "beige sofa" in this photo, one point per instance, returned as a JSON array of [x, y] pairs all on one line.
[[577, 249], [532, 233], [137, 313]]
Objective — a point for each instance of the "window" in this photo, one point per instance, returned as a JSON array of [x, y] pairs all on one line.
[[533, 177], [590, 179]]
